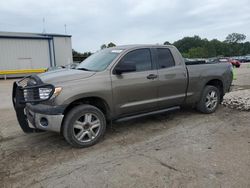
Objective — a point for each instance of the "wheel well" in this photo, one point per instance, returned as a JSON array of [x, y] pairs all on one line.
[[94, 101], [219, 84]]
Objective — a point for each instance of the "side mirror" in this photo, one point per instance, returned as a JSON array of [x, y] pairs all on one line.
[[124, 67]]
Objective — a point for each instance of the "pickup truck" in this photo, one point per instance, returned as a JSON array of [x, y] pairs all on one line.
[[117, 84]]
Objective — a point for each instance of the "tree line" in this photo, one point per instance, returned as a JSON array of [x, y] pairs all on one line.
[[196, 47], [84, 55]]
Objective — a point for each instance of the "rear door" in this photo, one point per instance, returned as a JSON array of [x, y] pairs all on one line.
[[172, 79], [135, 92]]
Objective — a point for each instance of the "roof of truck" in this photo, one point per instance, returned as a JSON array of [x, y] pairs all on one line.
[[125, 47]]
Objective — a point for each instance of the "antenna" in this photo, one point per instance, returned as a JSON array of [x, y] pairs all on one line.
[[65, 28], [44, 31]]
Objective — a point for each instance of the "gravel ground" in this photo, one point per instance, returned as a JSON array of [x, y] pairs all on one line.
[[179, 149], [239, 100]]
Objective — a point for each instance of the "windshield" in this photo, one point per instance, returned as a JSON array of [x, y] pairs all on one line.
[[99, 61]]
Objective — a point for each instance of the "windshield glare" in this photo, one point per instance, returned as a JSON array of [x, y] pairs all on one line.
[[100, 60]]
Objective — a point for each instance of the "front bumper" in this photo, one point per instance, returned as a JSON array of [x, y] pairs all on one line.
[[37, 115], [34, 116]]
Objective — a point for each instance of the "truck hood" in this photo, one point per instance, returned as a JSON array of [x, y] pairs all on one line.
[[64, 75]]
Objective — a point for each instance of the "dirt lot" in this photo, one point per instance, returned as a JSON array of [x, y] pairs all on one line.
[[181, 149]]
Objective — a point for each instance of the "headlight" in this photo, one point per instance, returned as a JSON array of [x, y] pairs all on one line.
[[44, 93], [38, 93]]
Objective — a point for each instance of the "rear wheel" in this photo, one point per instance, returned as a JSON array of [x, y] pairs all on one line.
[[84, 126], [210, 100]]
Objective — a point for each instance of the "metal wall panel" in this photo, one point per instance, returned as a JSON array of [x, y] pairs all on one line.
[[63, 50], [24, 54]]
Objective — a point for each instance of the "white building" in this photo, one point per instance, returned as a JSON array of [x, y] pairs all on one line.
[[33, 51]]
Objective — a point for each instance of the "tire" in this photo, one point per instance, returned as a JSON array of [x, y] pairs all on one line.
[[84, 126], [206, 97]]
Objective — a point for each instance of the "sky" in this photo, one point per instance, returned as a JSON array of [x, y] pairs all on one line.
[[95, 22]]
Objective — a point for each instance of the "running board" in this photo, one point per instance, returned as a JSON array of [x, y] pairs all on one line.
[[147, 114]]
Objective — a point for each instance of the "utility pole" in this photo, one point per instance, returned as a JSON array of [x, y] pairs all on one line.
[[44, 31], [65, 28]]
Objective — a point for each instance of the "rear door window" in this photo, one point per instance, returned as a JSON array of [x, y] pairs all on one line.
[[165, 58]]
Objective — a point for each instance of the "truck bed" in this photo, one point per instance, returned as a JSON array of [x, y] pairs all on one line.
[[200, 73]]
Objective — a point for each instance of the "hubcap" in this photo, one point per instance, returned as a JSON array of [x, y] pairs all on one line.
[[87, 127], [211, 100]]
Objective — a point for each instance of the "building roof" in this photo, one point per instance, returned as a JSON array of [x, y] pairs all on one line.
[[5, 34]]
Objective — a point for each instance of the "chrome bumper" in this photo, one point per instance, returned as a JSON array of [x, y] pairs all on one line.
[[54, 122]]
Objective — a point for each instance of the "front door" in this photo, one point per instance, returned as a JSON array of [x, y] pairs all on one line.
[[135, 91]]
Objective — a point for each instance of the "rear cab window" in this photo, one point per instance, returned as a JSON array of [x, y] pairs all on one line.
[[165, 58]]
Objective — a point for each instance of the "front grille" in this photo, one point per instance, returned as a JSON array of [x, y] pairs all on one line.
[[23, 82], [27, 90]]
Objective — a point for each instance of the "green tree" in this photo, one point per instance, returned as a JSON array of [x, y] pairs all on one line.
[[246, 48], [87, 54], [210, 50], [111, 44], [75, 53], [167, 43], [217, 46], [198, 52], [78, 57], [235, 38], [195, 47], [79, 54], [103, 46], [187, 43]]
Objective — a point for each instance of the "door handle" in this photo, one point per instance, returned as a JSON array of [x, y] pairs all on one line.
[[152, 76]]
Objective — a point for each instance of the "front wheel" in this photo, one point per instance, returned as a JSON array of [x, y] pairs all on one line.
[[84, 126], [209, 100]]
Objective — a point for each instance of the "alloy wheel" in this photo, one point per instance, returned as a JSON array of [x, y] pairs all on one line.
[[86, 127], [211, 100]]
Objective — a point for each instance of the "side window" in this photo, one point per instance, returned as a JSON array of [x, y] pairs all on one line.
[[165, 58], [140, 59]]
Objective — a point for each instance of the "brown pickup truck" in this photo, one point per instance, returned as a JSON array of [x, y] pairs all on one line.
[[117, 84]]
